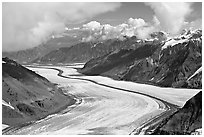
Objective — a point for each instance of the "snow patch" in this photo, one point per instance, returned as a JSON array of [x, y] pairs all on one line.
[[95, 45], [4, 126], [149, 40], [7, 104], [152, 79], [138, 41], [173, 42], [197, 132], [197, 71]]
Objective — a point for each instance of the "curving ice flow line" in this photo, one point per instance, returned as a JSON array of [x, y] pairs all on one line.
[[101, 84], [103, 110]]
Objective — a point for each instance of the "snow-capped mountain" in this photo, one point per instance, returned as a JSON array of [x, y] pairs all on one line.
[[84, 51], [168, 63], [185, 36]]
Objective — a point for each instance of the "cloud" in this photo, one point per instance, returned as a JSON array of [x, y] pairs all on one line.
[[171, 15], [196, 24], [136, 22], [144, 32], [26, 25], [156, 20], [132, 27], [93, 25]]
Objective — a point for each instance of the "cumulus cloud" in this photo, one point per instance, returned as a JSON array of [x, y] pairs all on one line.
[[93, 25], [26, 25], [171, 15], [132, 27], [136, 22]]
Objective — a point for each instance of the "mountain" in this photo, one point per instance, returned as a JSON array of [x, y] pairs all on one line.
[[185, 121], [26, 56], [83, 52], [27, 96], [169, 63], [57, 48]]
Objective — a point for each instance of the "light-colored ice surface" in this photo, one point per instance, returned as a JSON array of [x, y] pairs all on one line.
[[176, 96], [103, 110]]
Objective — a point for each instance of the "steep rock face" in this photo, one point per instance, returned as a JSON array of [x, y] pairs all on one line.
[[186, 120], [167, 64], [27, 96], [119, 58]]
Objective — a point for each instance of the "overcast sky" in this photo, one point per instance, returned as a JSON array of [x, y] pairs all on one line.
[[26, 25]]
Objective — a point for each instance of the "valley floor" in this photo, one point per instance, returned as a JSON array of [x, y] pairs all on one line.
[[104, 109]]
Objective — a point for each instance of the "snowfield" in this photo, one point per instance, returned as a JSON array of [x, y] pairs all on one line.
[[100, 109]]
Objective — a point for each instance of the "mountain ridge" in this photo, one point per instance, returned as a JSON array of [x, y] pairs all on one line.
[[167, 67], [28, 55]]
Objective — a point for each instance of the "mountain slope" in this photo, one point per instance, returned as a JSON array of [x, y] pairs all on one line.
[[167, 64], [186, 120], [27, 96], [81, 52], [85, 51], [26, 56]]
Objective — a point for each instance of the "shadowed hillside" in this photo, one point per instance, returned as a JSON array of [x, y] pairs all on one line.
[[168, 64], [27, 96], [184, 121]]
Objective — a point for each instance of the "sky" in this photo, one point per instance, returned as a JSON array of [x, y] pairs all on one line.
[[135, 10], [27, 25], [124, 12]]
